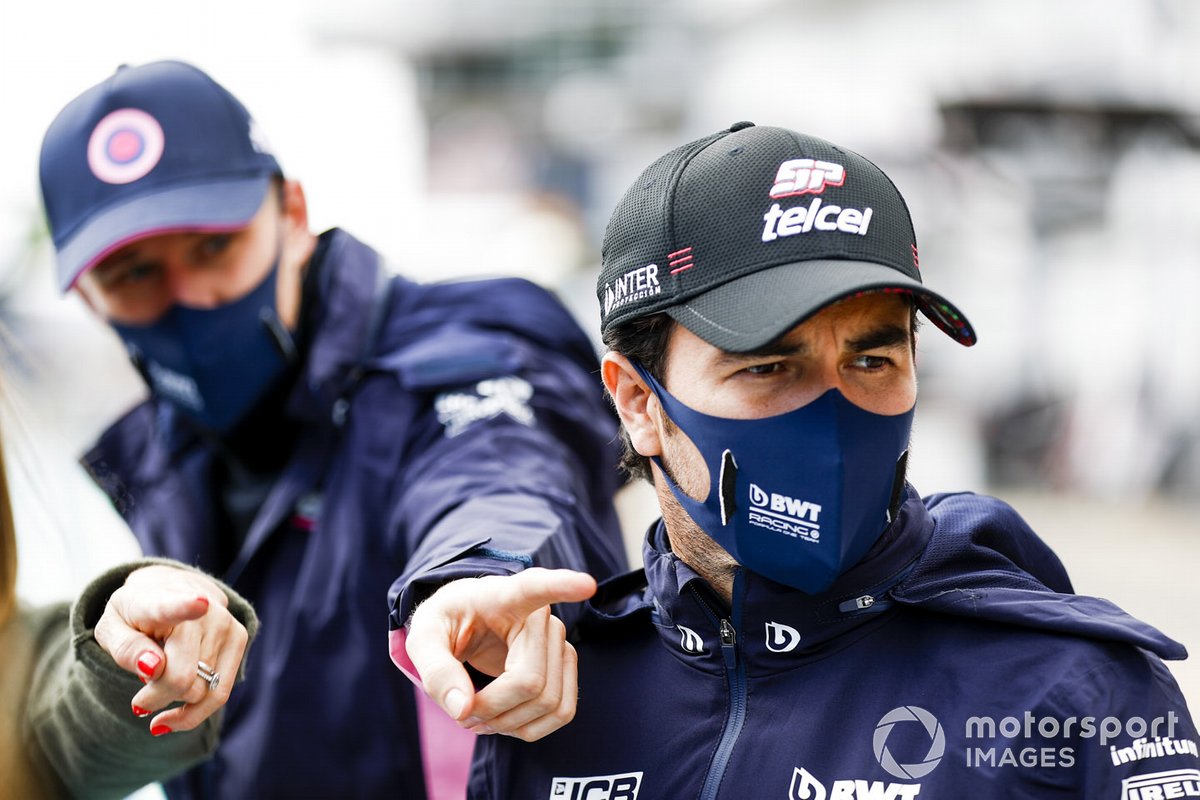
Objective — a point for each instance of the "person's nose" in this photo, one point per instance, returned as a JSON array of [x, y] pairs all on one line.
[[827, 377], [195, 288]]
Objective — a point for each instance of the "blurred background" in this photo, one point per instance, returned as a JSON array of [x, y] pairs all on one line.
[[1050, 153]]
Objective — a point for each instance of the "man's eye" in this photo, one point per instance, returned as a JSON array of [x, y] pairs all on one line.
[[764, 369], [142, 272], [136, 273], [214, 244], [871, 362]]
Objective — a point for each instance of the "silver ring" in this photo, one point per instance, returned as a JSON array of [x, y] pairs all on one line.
[[208, 675]]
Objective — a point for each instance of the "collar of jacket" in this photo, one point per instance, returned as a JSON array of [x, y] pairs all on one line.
[[778, 627], [348, 308]]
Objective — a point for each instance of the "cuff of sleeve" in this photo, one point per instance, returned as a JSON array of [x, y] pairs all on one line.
[[477, 562]]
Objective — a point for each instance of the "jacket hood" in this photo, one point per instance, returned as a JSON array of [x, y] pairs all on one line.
[[984, 561]]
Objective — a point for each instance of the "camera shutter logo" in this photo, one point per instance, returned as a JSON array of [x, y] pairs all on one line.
[[937, 742]]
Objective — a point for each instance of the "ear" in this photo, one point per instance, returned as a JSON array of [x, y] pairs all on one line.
[[298, 245], [295, 206], [636, 405]]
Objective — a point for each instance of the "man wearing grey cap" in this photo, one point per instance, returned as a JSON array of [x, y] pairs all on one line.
[[806, 625], [325, 436]]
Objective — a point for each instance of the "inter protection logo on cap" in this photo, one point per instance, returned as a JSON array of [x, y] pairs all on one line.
[[125, 146]]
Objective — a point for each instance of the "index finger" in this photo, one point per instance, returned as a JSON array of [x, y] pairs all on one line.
[[527, 591], [497, 604], [126, 628], [150, 613]]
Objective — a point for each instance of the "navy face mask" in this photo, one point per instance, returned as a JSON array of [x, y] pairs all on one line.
[[799, 497], [214, 364]]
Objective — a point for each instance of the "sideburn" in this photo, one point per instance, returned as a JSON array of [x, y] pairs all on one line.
[[692, 477]]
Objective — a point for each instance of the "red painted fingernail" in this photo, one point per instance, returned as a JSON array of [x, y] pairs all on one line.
[[159, 730], [148, 662], [138, 711], [140, 678], [203, 600]]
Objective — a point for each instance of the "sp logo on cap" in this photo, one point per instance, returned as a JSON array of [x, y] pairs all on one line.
[[125, 146], [806, 176]]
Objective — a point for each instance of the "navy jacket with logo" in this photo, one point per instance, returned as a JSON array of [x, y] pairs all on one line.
[[954, 662], [438, 422]]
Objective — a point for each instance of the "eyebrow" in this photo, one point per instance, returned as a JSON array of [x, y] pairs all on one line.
[[118, 258], [775, 348], [882, 337], [886, 336]]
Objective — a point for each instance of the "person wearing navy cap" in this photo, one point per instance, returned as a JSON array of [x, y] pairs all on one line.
[[806, 626], [324, 435]]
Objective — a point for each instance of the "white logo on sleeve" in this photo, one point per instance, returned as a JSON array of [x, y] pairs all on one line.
[[597, 787], [1143, 748], [1161, 785], [457, 411], [782, 638]]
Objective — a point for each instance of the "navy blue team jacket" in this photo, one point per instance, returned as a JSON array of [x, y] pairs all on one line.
[[438, 421], [954, 662]]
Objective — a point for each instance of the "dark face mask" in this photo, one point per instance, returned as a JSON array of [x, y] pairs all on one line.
[[799, 497], [214, 364]]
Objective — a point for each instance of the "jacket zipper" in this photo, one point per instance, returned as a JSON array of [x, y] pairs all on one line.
[[736, 677]]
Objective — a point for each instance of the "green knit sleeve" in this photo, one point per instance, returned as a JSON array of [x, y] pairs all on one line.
[[79, 721]]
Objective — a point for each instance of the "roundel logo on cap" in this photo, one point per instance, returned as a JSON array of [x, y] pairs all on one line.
[[125, 146]]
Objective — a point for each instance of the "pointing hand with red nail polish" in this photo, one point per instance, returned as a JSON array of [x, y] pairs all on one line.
[[159, 626]]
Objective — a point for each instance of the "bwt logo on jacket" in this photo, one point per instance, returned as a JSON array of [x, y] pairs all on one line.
[[784, 514], [805, 786], [597, 787], [805, 176]]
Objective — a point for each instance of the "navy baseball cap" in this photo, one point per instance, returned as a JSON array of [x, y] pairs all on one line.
[[744, 234], [153, 149]]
